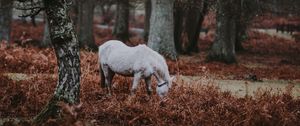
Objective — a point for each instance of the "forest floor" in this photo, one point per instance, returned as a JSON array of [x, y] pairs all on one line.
[[28, 76]]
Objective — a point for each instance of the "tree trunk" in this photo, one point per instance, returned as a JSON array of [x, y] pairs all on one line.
[[240, 27], [240, 36], [121, 31], [46, 37], [195, 17], [66, 47], [105, 7], [147, 19], [5, 19], [85, 24], [178, 26], [193, 28], [161, 36], [223, 48], [246, 9], [74, 11]]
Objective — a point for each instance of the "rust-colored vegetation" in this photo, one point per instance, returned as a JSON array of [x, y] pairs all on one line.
[[265, 56]]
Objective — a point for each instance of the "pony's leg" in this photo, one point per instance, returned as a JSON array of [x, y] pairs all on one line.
[[148, 85], [108, 78], [135, 83], [102, 77]]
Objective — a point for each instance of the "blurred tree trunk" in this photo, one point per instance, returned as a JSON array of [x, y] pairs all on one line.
[[105, 7], [5, 19], [223, 48], [195, 17], [161, 35], [66, 45], [120, 30], [74, 11], [240, 36], [178, 27], [46, 42], [246, 10], [85, 24], [240, 28], [147, 19]]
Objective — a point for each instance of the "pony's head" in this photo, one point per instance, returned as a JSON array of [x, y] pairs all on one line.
[[163, 88]]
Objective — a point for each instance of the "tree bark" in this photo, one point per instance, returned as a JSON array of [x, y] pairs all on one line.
[[178, 27], [5, 19], [121, 31], [46, 42], [85, 24], [223, 48], [147, 19], [161, 35], [195, 17], [66, 47]]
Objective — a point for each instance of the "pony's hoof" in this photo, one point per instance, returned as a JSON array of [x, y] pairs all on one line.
[[108, 95], [149, 93], [133, 92]]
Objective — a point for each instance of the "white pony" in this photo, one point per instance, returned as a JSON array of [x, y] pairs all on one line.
[[140, 61]]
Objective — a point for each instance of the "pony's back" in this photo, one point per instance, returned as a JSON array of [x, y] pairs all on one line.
[[111, 44]]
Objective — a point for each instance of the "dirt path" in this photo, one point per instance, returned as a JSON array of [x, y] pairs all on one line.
[[243, 88]]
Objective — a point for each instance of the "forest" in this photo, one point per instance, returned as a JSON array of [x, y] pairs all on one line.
[[232, 62]]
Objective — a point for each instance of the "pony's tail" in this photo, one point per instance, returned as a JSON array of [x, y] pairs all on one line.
[[102, 83]]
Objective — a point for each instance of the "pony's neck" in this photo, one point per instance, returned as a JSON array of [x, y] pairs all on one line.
[[162, 76]]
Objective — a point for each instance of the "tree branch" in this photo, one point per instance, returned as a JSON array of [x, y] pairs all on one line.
[[32, 13]]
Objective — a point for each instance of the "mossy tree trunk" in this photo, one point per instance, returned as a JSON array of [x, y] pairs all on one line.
[[161, 35], [85, 24], [66, 47], [5, 19], [223, 48], [121, 28]]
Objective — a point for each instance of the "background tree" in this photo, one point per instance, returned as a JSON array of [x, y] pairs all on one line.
[[195, 16], [85, 24], [188, 18], [223, 48], [245, 12], [178, 25], [161, 35], [147, 19], [5, 19], [121, 30], [105, 7]]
